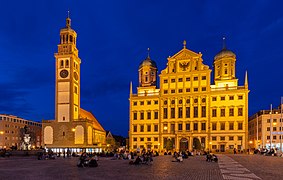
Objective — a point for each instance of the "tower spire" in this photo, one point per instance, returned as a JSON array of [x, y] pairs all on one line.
[[246, 79], [224, 42], [148, 51], [131, 88], [68, 20]]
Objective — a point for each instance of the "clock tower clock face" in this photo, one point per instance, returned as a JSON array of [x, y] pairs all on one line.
[[76, 76], [64, 73]]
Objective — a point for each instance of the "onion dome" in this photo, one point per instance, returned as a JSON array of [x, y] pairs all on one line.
[[148, 62], [224, 53]]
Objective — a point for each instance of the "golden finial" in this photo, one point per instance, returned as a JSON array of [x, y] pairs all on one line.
[[184, 43], [68, 20]]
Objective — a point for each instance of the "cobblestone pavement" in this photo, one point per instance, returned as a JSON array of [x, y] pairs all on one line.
[[193, 168]]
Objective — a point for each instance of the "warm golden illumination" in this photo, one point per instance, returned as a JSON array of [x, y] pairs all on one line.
[[73, 129], [187, 108], [274, 124], [1, 132], [251, 142], [108, 145]]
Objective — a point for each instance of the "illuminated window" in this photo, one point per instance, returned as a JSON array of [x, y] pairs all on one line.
[[187, 112], [240, 111], [214, 126], [195, 112], [141, 128], [188, 126], [214, 112], [135, 116], [222, 126]]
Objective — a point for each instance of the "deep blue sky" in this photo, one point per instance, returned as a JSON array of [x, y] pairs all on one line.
[[112, 40]]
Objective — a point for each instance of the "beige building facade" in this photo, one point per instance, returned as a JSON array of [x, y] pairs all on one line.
[[73, 128], [187, 111], [11, 135], [265, 129]]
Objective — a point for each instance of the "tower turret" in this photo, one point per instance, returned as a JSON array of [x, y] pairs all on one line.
[[147, 72]]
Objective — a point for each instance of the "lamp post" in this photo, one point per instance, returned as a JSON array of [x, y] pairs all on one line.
[[270, 126], [210, 147], [250, 143]]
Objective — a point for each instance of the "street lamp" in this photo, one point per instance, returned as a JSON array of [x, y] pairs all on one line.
[[1, 132], [210, 147], [250, 146], [73, 129]]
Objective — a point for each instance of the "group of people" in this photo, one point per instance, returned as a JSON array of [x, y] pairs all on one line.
[[144, 158], [88, 160]]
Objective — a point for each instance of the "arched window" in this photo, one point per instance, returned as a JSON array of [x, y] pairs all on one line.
[[67, 63], [62, 63], [63, 118], [71, 38]]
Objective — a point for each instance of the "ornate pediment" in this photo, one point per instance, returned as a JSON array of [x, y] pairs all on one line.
[[184, 65], [185, 54]]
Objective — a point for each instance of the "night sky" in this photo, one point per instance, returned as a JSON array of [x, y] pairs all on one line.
[[113, 37]]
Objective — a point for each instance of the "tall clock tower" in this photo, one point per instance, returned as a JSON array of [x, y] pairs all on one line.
[[67, 100]]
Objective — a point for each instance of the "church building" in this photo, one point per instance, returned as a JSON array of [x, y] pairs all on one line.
[[187, 112], [74, 128]]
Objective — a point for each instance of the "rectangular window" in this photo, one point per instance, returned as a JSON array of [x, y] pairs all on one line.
[[203, 78], [203, 126], [240, 126], [180, 80], [142, 116], [188, 126], [141, 128], [188, 90], [268, 129], [180, 127], [148, 139], [222, 126], [214, 98], [274, 128], [135, 139], [148, 115], [222, 138], [148, 102], [195, 89], [148, 128], [214, 126], [195, 112], [214, 112], [165, 81], [180, 90], [268, 120], [195, 126], [214, 146], [172, 91], [222, 112], [240, 97], [203, 89], [188, 79], [135, 103], [274, 137], [187, 112], [165, 113], [240, 111], [155, 102], [231, 98], [231, 111], [231, 138], [195, 78], [156, 139], [180, 112], [141, 103], [267, 137], [155, 115], [172, 80], [222, 98], [203, 111], [213, 138], [165, 91], [172, 128], [172, 112], [231, 126], [135, 128], [135, 116], [141, 139], [155, 128]]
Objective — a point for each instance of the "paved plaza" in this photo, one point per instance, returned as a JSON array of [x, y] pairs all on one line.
[[196, 168]]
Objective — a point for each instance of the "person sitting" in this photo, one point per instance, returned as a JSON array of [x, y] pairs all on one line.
[[93, 162], [137, 161], [208, 157]]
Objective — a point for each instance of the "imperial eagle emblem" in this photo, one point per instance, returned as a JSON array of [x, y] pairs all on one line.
[[184, 65]]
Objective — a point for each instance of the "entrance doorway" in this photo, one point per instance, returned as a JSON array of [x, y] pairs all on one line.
[[196, 144], [222, 148], [184, 145]]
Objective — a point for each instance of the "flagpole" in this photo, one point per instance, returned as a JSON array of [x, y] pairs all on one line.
[[257, 131], [270, 126], [281, 125]]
